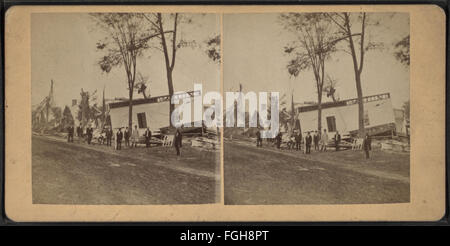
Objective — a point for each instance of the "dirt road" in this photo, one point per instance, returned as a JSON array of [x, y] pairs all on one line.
[[75, 173], [270, 176]]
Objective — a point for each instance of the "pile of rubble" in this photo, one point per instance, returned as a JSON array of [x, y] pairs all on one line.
[[394, 145], [205, 143]]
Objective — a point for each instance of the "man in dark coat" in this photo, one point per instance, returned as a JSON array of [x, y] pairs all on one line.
[[298, 141], [126, 135], [108, 136], [367, 145], [177, 141], [148, 137], [278, 138], [89, 132], [258, 138], [308, 141], [316, 139], [337, 140], [79, 130], [70, 134], [119, 136]]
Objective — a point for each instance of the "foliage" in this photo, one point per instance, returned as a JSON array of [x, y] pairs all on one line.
[[313, 46], [314, 42], [126, 38], [406, 109], [67, 118], [402, 51], [213, 48]]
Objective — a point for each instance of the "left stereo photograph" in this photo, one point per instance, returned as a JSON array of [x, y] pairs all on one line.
[[101, 90]]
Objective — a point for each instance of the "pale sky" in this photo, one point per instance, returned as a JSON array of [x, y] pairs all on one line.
[[253, 55], [63, 48]]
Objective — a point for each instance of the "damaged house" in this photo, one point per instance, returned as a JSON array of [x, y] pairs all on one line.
[[342, 116], [152, 112]]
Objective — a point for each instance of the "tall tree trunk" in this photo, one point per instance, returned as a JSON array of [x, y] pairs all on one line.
[[319, 113], [170, 85], [358, 70], [169, 64], [130, 110], [361, 129]]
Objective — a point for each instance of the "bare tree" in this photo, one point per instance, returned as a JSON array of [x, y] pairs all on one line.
[[125, 40], [358, 45], [168, 42], [314, 45]]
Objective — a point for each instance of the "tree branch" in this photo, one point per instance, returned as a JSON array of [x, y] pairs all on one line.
[[174, 39], [361, 60]]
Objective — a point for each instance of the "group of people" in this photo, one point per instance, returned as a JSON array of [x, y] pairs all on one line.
[[120, 136], [88, 134], [126, 135], [320, 141]]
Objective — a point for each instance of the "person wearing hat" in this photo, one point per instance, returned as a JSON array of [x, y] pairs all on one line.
[[258, 138], [308, 141], [298, 140], [135, 137], [119, 136], [367, 145], [337, 140], [178, 141], [148, 137]]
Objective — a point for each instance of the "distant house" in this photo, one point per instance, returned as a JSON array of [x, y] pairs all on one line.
[[343, 116], [150, 112]]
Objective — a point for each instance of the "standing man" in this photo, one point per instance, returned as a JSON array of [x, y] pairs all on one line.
[[72, 129], [258, 138], [367, 145], [316, 140], [308, 141], [68, 134], [126, 135], [324, 140], [89, 134], [177, 141], [119, 136], [337, 140], [148, 137], [108, 136], [135, 136], [298, 141], [278, 138], [79, 131]]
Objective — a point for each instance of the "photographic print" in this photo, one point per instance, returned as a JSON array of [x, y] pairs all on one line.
[[213, 113], [101, 92], [343, 108]]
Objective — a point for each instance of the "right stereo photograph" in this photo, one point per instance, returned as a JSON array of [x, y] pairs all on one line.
[[319, 110]]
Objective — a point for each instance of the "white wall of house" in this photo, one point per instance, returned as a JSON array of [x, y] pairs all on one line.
[[156, 114], [379, 113]]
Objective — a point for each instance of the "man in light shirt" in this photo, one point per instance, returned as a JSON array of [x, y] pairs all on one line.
[[134, 136], [324, 140]]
